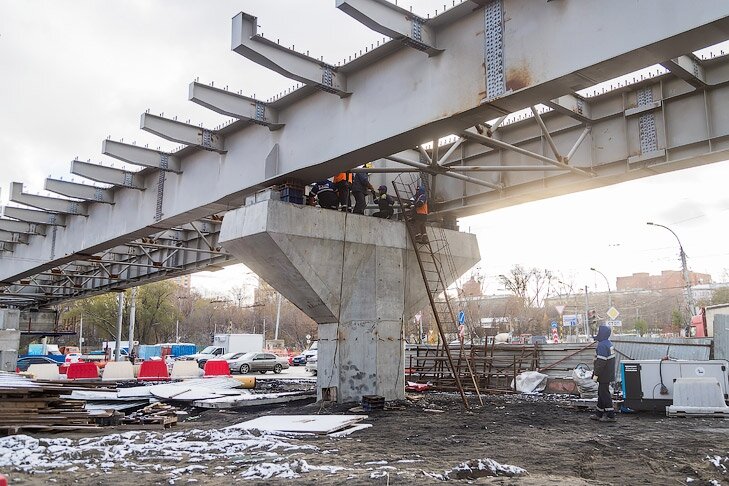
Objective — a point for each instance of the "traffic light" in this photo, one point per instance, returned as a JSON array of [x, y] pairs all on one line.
[[592, 318]]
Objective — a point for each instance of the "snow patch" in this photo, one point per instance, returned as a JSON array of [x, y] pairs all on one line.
[[141, 450], [285, 470], [478, 468], [719, 462]]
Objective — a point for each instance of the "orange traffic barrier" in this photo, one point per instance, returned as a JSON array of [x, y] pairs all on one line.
[[216, 367], [82, 371], [153, 370]]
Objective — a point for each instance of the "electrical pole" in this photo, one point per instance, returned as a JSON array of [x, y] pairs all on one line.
[[81, 334], [691, 306], [119, 320], [587, 312], [132, 319], [278, 316]]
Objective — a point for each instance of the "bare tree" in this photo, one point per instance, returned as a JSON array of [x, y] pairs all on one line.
[[530, 287]]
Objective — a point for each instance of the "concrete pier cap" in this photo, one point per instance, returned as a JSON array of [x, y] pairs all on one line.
[[356, 276]]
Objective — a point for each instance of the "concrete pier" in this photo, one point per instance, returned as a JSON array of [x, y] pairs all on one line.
[[356, 276]]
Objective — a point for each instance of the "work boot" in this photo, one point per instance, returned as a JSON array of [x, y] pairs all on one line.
[[608, 418], [595, 416]]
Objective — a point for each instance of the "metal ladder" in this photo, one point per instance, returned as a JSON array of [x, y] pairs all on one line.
[[436, 262]]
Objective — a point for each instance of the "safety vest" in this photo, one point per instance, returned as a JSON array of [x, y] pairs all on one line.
[[343, 176], [422, 209]]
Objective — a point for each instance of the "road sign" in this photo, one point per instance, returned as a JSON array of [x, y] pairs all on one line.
[[559, 309], [569, 320], [613, 313], [461, 317], [554, 324], [614, 323]]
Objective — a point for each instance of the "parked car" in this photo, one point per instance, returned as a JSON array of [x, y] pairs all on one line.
[[311, 364], [299, 360], [201, 361], [261, 362], [25, 362]]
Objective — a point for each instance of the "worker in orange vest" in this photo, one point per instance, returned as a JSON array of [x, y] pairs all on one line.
[[419, 213], [342, 183]]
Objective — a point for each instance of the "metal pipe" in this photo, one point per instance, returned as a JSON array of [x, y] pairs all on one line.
[[411, 163], [425, 154], [577, 144], [385, 170], [546, 134], [492, 142], [504, 168], [450, 151], [473, 180]]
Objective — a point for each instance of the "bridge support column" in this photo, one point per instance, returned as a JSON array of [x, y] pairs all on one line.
[[356, 276]]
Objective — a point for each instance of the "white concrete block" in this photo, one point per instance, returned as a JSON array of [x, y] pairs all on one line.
[[118, 371], [697, 392], [185, 369], [44, 371]]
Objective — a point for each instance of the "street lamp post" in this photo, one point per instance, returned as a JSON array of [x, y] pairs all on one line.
[[610, 297], [687, 282]]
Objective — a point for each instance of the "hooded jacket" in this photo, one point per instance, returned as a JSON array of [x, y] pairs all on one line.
[[604, 366]]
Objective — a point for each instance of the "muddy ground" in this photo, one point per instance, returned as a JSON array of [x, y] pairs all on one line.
[[416, 441]]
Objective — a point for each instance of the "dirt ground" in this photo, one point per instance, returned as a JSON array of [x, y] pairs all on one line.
[[415, 441]]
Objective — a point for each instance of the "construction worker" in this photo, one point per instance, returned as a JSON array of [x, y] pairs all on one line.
[[342, 184], [385, 203], [604, 372], [325, 194], [360, 187], [419, 213]]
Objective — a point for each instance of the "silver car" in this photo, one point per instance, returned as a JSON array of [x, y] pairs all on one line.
[[261, 362]]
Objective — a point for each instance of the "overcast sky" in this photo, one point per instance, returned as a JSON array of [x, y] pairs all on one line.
[[77, 71]]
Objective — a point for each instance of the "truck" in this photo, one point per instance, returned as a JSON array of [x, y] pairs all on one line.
[[225, 344]]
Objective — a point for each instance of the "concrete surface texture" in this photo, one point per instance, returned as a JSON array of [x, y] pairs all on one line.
[[356, 276], [9, 319]]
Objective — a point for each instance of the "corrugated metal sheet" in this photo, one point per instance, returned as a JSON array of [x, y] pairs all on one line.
[[558, 360], [636, 347]]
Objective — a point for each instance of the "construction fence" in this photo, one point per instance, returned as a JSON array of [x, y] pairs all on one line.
[[495, 366]]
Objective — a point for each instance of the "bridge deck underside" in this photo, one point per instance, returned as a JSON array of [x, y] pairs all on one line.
[[466, 72]]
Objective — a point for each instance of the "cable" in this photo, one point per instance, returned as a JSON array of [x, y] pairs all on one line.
[[664, 390]]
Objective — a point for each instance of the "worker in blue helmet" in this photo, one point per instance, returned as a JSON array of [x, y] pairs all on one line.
[[385, 203], [604, 372]]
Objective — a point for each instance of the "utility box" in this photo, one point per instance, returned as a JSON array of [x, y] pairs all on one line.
[[643, 380], [239, 343]]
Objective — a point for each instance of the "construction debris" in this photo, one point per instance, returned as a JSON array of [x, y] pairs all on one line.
[[157, 415], [31, 406], [314, 424]]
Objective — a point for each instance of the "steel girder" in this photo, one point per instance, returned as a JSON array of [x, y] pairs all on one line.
[[489, 59], [161, 256]]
